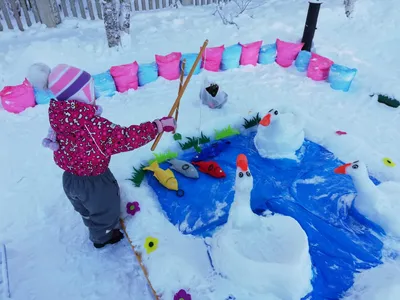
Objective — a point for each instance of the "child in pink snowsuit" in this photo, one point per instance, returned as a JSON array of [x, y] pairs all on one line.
[[83, 143]]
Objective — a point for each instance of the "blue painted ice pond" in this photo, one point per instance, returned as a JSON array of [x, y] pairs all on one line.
[[342, 242]]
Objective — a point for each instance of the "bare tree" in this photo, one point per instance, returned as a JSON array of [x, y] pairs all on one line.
[[349, 7], [239, 7]]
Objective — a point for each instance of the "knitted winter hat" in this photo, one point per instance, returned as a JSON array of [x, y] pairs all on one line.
[[70, 83]]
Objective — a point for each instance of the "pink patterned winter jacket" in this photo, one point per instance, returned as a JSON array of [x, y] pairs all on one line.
[[88, 141]]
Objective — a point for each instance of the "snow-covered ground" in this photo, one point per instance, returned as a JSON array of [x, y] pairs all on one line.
[[48, 249]]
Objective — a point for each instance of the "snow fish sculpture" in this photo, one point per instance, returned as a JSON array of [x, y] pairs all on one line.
[[279, 135], [274, 249], [212, 150], [184, 167], [380, 203], [211, 168], [165, 177]]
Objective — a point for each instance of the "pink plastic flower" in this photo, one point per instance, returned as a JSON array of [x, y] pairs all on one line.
[[182, 295], [132, 208]]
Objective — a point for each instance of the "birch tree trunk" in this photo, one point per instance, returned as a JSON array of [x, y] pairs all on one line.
[[111, 23], [56, 12], [125, 15], [49, 15], [349, 7]]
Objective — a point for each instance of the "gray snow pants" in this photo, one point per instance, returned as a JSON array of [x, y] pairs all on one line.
[[97, 199]]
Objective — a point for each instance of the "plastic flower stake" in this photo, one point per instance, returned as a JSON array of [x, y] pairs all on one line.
[[132, 208], [388, 162], [150, 244], [339, 132], [182, 295]]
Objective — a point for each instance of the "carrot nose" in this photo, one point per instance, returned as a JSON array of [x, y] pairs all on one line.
[[341, 169], [241, 162], [266, 120]]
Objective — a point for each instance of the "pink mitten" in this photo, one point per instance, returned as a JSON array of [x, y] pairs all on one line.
[[167, 124]]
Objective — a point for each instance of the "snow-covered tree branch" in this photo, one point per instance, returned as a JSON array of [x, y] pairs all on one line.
[[237, 7]]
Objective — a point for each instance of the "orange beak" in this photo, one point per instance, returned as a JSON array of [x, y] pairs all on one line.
[[242, 163], [342, 169], [266, 120]]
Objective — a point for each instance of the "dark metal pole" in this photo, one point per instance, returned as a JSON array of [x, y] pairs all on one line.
[[311, 24]]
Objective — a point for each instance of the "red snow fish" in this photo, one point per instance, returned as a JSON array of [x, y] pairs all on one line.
[[211, 168]]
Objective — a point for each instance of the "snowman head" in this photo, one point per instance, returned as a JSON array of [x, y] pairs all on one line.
[[244, 179], [353, 169], [270, 117]]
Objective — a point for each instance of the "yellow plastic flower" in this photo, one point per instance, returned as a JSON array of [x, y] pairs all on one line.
[[150, 244], [388, 162]]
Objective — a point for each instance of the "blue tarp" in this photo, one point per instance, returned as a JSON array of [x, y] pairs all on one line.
[[341, 241]]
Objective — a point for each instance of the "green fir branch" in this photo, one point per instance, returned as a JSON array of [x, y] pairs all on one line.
[[191, 142], [254, 121], [389, 101], [203, 139], [177, 136], [138, 176]]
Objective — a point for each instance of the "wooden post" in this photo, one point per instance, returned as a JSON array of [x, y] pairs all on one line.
[[73, 8], [4, 9], [64, 8], [90, 8], [98, 8], [35, 11], [16, 14], [82, 9], [46, 13], [26, 14]]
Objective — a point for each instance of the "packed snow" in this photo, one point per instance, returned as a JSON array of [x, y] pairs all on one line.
[[49, 254]]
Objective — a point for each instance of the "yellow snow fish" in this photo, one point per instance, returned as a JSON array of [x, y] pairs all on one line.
[[165, 177]]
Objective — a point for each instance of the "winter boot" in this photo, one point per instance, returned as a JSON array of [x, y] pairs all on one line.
[[115, 238]]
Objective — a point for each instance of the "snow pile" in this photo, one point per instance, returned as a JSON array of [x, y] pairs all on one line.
[[279, 135], [270, 254], [178, 261], [382, 282], [379, 204]]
